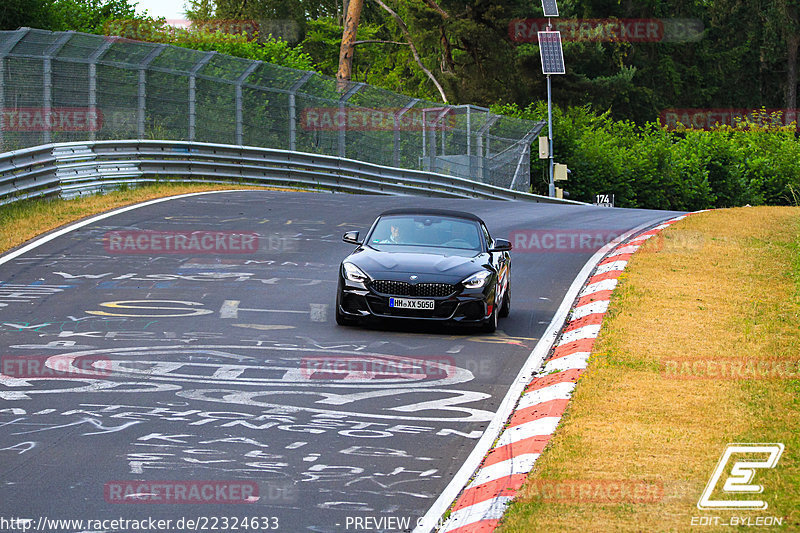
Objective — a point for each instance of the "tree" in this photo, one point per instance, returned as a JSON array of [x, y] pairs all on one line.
[[23, 13], [200, 9], [347, 49]]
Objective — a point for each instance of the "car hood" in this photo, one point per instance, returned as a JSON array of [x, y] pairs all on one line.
[[435, 264]]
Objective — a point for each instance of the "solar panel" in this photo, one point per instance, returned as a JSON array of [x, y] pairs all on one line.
[[550, 8], [551, 53]]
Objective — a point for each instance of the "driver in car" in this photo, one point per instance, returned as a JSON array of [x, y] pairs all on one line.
[[394, 237]]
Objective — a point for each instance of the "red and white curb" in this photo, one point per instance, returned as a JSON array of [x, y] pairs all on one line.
[[504, 469]]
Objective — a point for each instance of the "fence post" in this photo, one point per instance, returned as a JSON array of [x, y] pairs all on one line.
[[396, 136], [4, 51], [293, 109], [525, 143], [193, 92], [142, 100], [480, 135], [47, 78], [93, 59], [342, 101], [239, 81], [469, 132]]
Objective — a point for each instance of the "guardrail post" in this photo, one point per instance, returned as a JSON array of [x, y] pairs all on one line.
[[396, 139], [193, 92], [342, 101], [239, 81], [47, 97], [93, 59], [293, 109], [142, 100]]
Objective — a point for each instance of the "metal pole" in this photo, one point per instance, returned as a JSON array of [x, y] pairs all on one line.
[[342, 136], [4, 51], [142, 96], [396, 135], [239, 119], [469, 133], [293, 109], [552, 186], [193, 92], [93, 59], [424, 135], [481, 136], [48, 82], [3, 101]]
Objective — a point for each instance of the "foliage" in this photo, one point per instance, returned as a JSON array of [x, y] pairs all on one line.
[[23, 13], [60, 15], [266, 49], [742, 59], [752, 162], [89, 16]]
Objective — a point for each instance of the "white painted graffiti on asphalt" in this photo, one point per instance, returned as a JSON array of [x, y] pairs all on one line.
[[13, 293], [219, 374]]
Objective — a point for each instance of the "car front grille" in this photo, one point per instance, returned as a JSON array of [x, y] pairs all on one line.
[[403, 288]]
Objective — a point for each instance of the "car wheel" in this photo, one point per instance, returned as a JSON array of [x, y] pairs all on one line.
[[505, 309], [490, 326]]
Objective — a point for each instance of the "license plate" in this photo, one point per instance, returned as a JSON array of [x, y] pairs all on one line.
[[404, 303]]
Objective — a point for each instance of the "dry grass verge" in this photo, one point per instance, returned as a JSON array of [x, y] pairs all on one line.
[[24, 220], [720, 285]]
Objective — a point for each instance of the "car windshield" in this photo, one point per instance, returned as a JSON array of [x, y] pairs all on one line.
[[427, 230]]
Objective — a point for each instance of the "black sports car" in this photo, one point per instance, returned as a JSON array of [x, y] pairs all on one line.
[[425, 264]]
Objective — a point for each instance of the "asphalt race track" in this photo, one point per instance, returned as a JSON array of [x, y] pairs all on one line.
[[227, 369]]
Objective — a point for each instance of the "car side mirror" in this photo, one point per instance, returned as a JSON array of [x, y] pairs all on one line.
[[351, 237], [500, 245]]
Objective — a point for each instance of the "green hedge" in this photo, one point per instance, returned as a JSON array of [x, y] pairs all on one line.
[[754, 162]]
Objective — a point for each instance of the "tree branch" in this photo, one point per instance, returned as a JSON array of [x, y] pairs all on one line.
[[407, 35], [433, 5], [379, 42]]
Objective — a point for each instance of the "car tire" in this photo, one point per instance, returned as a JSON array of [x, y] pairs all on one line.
[[490, 326], [505, 309]]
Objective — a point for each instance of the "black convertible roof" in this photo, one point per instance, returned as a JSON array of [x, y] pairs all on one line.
[[428, 211]]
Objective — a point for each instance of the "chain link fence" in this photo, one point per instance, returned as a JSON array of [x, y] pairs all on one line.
[[66, 86]]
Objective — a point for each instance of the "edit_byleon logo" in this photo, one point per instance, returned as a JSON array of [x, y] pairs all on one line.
[[738, 484]]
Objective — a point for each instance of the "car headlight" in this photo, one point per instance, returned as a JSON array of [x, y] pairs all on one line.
[[353, 273], [477, 280]]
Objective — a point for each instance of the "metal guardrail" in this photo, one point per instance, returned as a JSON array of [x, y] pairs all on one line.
[[76, 168]]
